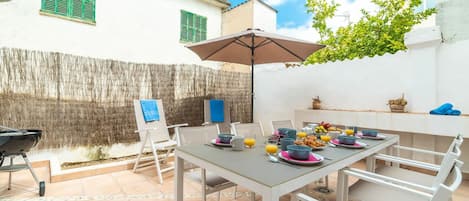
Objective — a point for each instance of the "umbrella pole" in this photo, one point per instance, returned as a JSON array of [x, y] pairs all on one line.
[[252, 78]]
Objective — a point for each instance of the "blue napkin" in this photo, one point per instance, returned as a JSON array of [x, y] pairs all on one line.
[[217, 111], [150, 110], [443, 109]]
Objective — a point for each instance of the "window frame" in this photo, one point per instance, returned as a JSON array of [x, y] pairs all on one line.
[[69, 14]]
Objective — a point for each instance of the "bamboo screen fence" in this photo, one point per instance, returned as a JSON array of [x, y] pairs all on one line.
[[81, 101]]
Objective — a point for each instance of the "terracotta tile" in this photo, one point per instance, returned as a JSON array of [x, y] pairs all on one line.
[[66, 188]]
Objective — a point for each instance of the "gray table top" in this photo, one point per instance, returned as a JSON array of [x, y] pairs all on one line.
[[254, 164]]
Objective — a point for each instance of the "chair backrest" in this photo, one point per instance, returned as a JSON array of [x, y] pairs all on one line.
[[197, 134], [248, 130], [158, 130], [444, 191], [282, 124], [448, 161], [225, 126], [207, 117]]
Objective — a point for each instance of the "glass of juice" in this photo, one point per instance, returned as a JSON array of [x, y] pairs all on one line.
[[249, 142]]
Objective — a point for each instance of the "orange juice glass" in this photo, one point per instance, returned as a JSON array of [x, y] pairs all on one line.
[[249, 142], [271, 148], [349, 131]]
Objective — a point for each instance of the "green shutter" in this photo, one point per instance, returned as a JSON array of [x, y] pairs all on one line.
[[48, 5], [61, 7], [78, 9], [204, 28], [89, 7], [193, 27]]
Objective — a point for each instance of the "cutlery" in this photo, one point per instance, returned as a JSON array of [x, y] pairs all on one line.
[[274, 159], [332, 145]]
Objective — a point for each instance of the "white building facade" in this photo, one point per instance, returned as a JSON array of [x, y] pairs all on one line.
[[145, 31]]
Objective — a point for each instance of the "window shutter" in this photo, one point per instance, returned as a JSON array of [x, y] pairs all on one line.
[[48, 5], [183, 26], [204, 28], [89, 8], [77, 8], [193, 27], [61, 7]]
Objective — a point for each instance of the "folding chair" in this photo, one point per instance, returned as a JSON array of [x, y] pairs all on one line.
[[281, 124], [155, 135], [442, 169], [214, 117], [249, 130], [376, 187], [211, 183]]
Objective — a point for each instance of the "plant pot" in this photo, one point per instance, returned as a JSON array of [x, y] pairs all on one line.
[[397, 108], [316, 105]]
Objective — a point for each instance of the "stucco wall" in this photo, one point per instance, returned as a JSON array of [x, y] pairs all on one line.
[[146, 31], [428, 76], [264, 18], [238, 19]]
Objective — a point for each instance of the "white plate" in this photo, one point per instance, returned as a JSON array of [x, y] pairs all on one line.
[[300, 162], [214, 141], [362, 145], [378, 137]]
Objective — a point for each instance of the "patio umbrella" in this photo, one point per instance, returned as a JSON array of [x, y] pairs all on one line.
[[254, 46]]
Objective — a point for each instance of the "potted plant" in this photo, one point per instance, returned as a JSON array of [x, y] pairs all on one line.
[[397, 105]]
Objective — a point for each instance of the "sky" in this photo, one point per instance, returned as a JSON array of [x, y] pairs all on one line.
[[294, 21]]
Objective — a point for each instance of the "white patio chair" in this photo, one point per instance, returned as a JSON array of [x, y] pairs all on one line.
[[281, 124], [155, 135], [210, 182], [223, 126], [376, 187], [442, 170], [249, 130]]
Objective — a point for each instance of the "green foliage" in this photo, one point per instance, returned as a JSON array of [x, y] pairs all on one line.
[[374, 34]]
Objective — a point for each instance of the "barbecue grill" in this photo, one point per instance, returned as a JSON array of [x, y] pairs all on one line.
[[13, 143]]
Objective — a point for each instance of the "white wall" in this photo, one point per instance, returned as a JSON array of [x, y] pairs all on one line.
[[429, 76], [146, 31]]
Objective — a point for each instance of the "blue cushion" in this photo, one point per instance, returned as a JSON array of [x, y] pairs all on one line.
[[150, 110], [217, 111]]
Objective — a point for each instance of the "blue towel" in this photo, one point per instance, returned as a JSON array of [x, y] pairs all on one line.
[[453, 112], [150, 110], [217, 111], [443, 109]]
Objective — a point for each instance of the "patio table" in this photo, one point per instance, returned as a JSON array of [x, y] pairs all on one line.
[[252, 169]]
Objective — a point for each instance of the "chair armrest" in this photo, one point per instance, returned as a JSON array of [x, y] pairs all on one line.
[[178, 125], [145, 129], [409, 162], [419, 150], [390, 182], [206, 123], [303, 197]]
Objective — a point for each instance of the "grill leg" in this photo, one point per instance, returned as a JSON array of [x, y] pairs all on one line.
[[26, 160], [9, 173]]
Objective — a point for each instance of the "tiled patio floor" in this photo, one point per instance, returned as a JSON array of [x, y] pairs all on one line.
[[126, 185]]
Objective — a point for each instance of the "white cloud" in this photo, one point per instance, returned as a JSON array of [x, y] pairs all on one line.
[[275, 2], [306, 32]]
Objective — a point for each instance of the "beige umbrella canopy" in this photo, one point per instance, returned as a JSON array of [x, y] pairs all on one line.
[[254, 46]]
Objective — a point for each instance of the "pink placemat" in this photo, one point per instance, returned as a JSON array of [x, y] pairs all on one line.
[[287, 156], [336, 141]]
